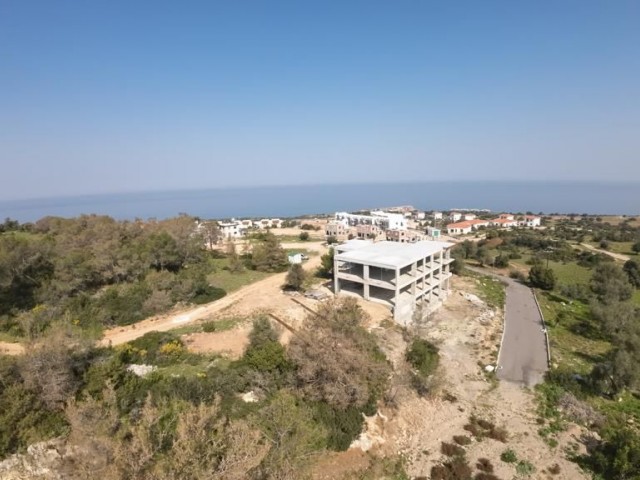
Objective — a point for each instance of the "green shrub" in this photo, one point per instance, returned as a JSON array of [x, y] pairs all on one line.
[[525, 467], [343, 426], [423, 356], [541, 277], [509, 456], [617, 455]]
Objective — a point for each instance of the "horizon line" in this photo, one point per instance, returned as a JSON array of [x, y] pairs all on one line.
[[320, 184]]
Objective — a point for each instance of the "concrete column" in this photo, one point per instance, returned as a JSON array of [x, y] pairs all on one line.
[[397, 270], [336, 281], [365, 289]]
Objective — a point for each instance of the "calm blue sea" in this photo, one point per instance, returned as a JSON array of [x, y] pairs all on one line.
[[593, 198]]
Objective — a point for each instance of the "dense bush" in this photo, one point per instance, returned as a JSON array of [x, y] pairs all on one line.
[[423, 356], [541, 277]]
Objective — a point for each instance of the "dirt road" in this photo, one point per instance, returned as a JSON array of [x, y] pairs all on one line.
[[265, 295], [617, 256]]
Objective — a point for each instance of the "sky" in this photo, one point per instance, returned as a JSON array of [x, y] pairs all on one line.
[[125, 96]]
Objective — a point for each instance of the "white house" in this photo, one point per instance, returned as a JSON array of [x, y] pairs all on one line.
[[504, 222], [455, 216], [436, 215], [459, 228], [232, 229], [469, 216], [529, 221]]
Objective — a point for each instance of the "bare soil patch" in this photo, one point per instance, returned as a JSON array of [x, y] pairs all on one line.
[[8, 348]]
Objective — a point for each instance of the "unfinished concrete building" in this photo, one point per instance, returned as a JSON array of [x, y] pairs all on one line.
[[402, 276]]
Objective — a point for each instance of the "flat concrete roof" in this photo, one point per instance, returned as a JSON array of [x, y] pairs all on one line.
[[354, 244], [392, 255]]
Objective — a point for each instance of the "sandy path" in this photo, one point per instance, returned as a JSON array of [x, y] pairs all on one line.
[[264, 295], [8, 348], [617, 256]]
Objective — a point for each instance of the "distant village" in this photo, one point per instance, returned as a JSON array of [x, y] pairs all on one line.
[[397, 224]]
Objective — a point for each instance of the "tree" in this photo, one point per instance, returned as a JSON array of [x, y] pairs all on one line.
[[617, 455], [326, 264], [621, 323], [610, 283], [268, 255], [483, 256], [210, 233], [501, 261], [338, 360], [235, 263], [304, 236], [632, 269], [468, 248], [636, 247], [295, 277], [541, 277]]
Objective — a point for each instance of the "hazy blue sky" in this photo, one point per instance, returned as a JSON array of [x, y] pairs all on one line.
[[107, 96]]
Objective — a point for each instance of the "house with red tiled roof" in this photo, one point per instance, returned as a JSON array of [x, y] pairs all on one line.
[[461, 228]]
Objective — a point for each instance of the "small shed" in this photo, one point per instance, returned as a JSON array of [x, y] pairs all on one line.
[[296, 258], [433, 232]]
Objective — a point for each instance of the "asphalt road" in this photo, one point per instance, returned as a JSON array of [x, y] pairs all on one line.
[[523, 354]]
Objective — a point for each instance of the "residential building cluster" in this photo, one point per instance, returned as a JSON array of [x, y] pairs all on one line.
[[377, 225], [239, 228], [505, 220]]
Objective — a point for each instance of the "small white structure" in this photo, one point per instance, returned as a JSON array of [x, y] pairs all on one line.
[[469, 216], [403, 276], [436, 215], [530, 221], [232, 229], [296, 258], [455, 216], [433, 233]]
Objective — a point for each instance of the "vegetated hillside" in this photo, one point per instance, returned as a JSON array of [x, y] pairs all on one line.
[[591, 303], [186, 417], [94, 272]]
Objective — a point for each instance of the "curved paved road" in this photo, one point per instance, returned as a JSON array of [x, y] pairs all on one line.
[[523, 353]]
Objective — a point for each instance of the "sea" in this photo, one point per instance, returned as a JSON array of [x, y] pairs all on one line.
[[291, 201]]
